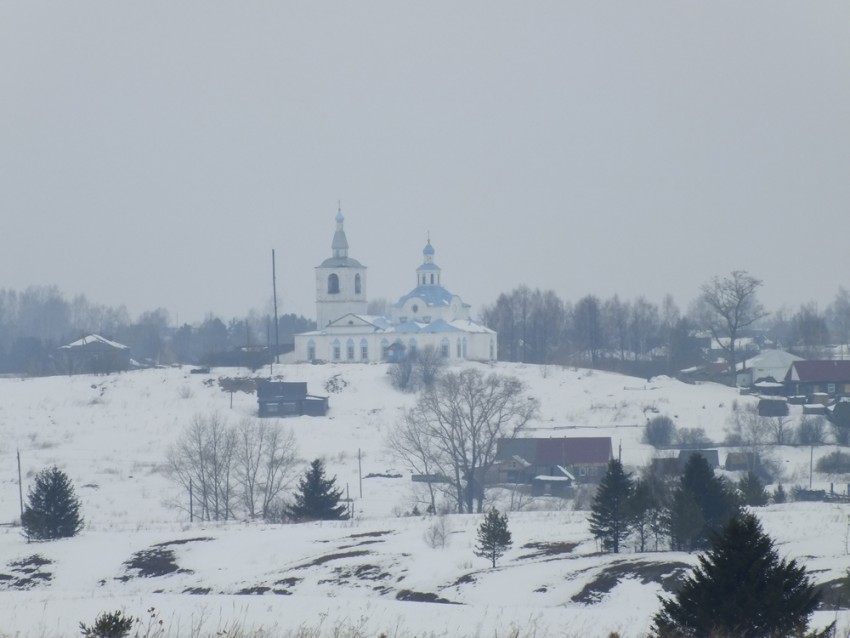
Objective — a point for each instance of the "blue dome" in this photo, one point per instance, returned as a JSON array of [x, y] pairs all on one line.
[[429, 249], [339, 217]]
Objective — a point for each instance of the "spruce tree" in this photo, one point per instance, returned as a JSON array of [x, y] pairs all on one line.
[[740, 588], [317, 498], [53, 510], [610, 514], [494, 537], [752, 490], [717, 503]]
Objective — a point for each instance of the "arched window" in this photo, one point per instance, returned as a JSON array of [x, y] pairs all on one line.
[[364, 350], [311, 350], [349, 350], [333, 284], [445, 350], [432, 279], [336, 350], [357, 284]]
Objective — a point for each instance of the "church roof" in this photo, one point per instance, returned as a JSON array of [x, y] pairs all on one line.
[[430, 295], [428, 267], [340, 262]]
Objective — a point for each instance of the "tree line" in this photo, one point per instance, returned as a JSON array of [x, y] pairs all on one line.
[[36, 321], [643, 338]]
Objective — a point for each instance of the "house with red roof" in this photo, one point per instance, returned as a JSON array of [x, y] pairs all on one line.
[[581, 459], [818, 377]]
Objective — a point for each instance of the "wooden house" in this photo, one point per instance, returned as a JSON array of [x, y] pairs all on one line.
[[288, 398], [93, 354], [815, 376], [578, 459]]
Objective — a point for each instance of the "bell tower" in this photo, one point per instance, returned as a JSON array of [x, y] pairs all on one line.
[[340, 281]]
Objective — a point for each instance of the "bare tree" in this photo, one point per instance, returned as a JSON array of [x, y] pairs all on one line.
[[202, 461], [728, 305], [462, 417], [838, 315], [588, 327], [265, 461], [412, 444]]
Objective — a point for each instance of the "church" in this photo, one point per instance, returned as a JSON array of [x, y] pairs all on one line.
[[428, 315]]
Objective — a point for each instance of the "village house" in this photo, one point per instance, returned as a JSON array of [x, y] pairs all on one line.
[[814, 377], [551, 464], [93, 354]]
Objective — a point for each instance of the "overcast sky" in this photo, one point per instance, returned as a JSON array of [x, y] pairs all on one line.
[[153, 153]]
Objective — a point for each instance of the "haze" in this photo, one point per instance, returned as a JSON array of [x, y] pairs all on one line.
[[154, 153]]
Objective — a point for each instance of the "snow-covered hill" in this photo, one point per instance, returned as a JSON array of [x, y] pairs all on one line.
[[367, 575]]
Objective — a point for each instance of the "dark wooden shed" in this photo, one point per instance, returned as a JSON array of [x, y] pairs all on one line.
[[288, 398]]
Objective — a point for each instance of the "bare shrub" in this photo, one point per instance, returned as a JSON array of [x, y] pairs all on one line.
[[660, 431], [692, 437], [185, 392], [437, 534], [811, 431], [835, 463]]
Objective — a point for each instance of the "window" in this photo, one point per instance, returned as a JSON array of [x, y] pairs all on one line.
[[311, 350], [333, 284], [336, 350], [830, 387], [458, 348], [364, 350], [444, 348], [415, 308], [357, 284], [349, 350]]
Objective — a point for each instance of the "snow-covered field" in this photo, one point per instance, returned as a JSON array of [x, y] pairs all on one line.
[[111, 434]]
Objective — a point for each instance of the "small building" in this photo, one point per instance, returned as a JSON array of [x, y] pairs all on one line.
[[93, 354], [813, 376], [768, 365], [559, 484], [579, 459], [773, 407], [288, 398]]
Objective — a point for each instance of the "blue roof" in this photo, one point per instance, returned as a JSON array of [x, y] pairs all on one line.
[[431, 295], [429, 249], [428, 267], [440, 326]]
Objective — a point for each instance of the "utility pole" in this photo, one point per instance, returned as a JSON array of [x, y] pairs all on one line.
[[274, 294], [360, 472], [20, 486]]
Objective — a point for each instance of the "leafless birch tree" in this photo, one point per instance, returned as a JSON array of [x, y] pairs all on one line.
[[456, 424]]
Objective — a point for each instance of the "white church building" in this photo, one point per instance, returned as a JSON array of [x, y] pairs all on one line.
[[429, 315]]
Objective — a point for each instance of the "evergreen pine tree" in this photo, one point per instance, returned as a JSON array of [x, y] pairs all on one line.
[[717, 503], [684, 521], [779, 495], [317, 498], [752, 490], [494, 538], [610, 515], [53, 510], [740, 588]]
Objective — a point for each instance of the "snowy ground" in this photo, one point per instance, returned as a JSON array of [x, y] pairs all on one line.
[[111, 433]]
